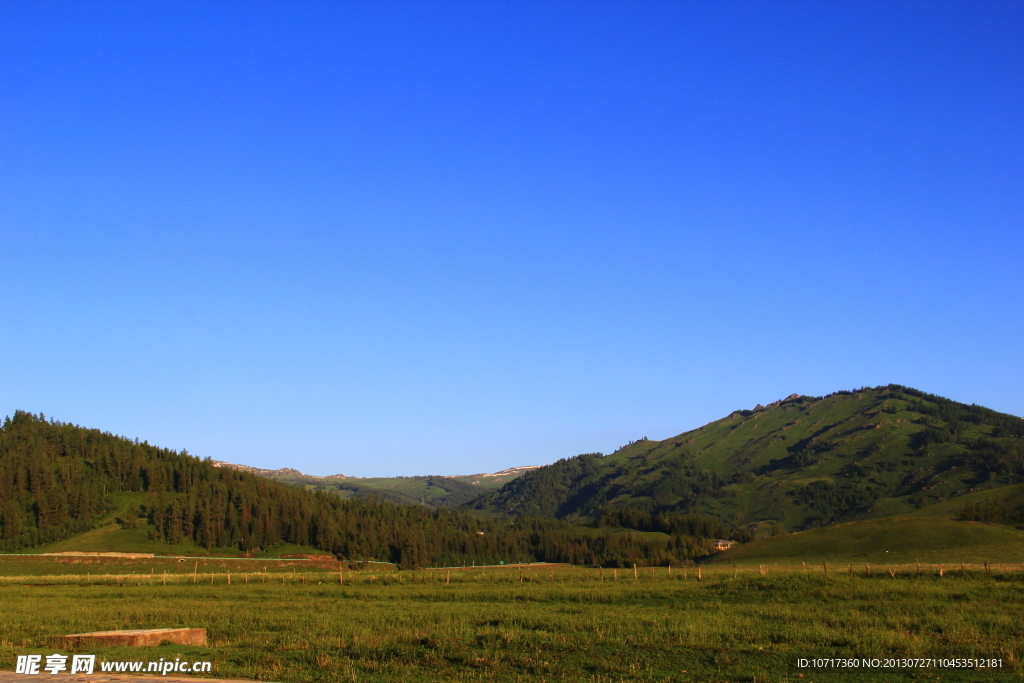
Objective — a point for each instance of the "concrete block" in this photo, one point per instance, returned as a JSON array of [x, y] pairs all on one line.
[[139, 637]]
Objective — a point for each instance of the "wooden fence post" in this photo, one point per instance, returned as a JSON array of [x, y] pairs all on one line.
[[700, 574], [867, 569], [634, 570], [942, 570]]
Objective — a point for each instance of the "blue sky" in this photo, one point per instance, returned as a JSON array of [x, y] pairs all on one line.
[[410, 238]]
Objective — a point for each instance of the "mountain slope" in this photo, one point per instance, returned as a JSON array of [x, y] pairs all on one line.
[[798, 463], [435, 490], [58, 481], [64, 486]]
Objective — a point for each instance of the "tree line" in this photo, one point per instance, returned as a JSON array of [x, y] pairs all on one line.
[[58, 480]]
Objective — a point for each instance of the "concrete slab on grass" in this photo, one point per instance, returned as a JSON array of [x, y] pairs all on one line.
[[139, 637]]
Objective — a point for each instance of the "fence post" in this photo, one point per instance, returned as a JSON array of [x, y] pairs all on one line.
[[634, 570], [700, 574], [867, 569]]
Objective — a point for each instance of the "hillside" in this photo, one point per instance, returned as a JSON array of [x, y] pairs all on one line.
[[65, 487], [60, 481], [798, 463], [434, 490], [891, 540]]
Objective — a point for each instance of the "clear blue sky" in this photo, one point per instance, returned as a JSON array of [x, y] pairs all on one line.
[[409, 238]]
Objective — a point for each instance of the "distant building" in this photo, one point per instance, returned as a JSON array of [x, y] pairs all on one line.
[[722, 544]]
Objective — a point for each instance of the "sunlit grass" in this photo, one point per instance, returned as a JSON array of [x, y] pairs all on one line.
[[557, 624]]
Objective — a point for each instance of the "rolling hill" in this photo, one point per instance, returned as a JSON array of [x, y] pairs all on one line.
[[68, 488], [799, 463], [434, 490]]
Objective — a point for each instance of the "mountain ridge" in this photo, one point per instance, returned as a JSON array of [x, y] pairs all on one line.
[[798, 463], [433, 490]]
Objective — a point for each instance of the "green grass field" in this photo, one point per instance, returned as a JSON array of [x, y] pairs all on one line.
[[892, 540], [557, 624]]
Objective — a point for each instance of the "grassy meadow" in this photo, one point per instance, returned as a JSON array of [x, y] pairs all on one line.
[[538, 623], [893, 540]]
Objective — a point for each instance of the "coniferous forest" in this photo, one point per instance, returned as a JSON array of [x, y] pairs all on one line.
[[58, 480]]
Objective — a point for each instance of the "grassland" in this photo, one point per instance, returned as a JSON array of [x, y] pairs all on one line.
[[546, 624], [115, 538], [892, 540]]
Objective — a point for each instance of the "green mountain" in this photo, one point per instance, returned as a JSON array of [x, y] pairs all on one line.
[[68, 488], [60, 481], [799, 463], [435, 490]]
